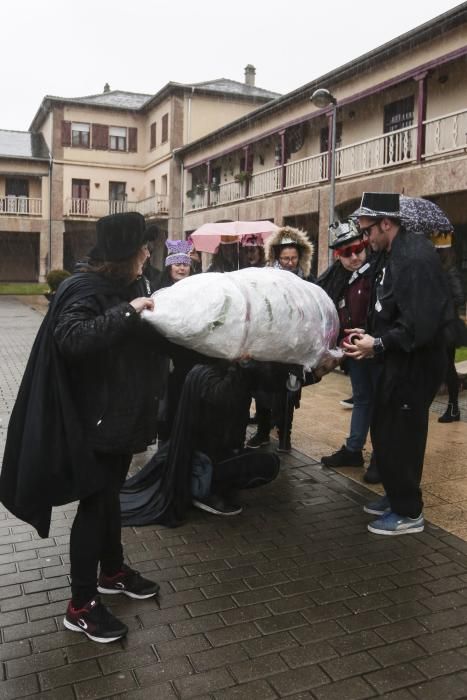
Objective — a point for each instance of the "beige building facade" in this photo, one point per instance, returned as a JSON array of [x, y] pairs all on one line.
[[104, 154], [401, 125]]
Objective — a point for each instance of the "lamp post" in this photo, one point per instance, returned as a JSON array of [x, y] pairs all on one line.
[[323, 98]]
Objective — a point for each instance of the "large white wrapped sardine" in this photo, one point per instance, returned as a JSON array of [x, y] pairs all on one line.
[[268, 314]]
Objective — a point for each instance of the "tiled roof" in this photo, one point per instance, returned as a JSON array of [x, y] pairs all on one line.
[[234, 87], [113, 98], [23, 144]]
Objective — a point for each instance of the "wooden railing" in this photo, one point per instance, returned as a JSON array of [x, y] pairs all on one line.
[[95, 208], [12, 205], [394, 148], [266, 181], [306, 171], [446, 134]]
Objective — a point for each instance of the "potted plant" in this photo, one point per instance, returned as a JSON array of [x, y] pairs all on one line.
[[214, 186], [242, 176], [190, 194], [200, 188]]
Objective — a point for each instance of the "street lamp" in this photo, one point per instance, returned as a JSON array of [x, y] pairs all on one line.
[[323, 98]]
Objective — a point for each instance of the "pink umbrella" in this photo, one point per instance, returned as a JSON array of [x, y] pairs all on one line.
[[208, 236]]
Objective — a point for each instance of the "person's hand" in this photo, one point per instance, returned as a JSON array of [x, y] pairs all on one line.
[[141, 303], [360, 348], [328, 364]]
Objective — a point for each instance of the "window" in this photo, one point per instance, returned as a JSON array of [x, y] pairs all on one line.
[[164, 184], [16, 187], [399, 114], [117, 138], [165, 128], [152, 135], [117, 197], [80, 134], [80, 197], [324, 137], [152, 188]]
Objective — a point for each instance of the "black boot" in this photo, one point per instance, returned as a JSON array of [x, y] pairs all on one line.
[[261, 437], [372, 475], [451, 414]]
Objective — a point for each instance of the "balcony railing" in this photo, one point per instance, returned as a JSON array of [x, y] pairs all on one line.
[[95, 208], [443, 135], [12, 205], [265, 181], [395, 148], [446, 134]]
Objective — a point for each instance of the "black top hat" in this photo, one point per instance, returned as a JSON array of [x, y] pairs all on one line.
[[345, 233], [119, 236], [379, 204]]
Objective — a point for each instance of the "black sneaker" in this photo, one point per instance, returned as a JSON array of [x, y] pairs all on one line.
[[128, 582], [95, 621], [216, 505], [343, 458], [284, 446], [257, 440]]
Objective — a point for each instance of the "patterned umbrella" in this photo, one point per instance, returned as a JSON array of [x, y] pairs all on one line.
[[419, 215], [422, 216]]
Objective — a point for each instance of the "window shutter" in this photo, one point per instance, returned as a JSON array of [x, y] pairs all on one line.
[[165, 128], [132, 139], [100, 137], [153, 135], [66, 133]]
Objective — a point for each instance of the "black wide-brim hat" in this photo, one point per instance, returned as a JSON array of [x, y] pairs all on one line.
[[119, 236], [379, 204], [344, 234]]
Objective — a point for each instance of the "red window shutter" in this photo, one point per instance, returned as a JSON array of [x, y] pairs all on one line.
[[132, 139], [165, 128], [153, 135], [66, 133], [100, 137]]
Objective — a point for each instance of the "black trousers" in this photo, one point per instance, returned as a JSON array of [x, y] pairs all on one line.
[[399, 426], [452, 378], [246, 470], [96, 532]]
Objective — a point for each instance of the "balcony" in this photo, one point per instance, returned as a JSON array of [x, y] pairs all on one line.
[[96, 208], [11, 205], [444, 135]]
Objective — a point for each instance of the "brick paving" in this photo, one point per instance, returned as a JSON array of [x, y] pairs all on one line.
[[294, 598]]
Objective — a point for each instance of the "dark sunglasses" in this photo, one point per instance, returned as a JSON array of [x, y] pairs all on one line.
[[357, 248], [367, 230]]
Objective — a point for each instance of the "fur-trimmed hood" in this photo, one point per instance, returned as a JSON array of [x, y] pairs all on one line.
[[290, 236]]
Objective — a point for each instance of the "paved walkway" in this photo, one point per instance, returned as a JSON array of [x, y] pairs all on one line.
[[294, 598]]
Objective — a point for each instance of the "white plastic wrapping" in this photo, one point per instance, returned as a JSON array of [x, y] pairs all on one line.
[[266, 313]]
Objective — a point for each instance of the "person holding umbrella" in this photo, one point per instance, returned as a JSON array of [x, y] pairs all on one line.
[[409, 314]]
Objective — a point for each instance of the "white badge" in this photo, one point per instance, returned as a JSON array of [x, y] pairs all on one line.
[[341, 304], [378, 306]]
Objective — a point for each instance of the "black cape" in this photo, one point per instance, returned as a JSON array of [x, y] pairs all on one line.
[[47, 461]]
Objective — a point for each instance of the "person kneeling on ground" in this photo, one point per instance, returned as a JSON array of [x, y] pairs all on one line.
[[204, 462]]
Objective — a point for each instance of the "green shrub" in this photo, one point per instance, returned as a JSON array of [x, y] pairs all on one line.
[[55, 277]]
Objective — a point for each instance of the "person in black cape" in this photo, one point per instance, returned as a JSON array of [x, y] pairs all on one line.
[[87, 402], [410, 317], [211, 419]]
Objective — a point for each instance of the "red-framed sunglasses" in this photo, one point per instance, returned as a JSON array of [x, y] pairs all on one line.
[[356, 248]]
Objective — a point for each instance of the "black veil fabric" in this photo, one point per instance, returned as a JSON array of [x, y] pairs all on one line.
[[161, 491], [47, 461]]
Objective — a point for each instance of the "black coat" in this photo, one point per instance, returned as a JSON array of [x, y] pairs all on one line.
[[90, 384]]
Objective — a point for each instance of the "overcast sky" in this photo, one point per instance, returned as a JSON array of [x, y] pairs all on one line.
[[71, 49]]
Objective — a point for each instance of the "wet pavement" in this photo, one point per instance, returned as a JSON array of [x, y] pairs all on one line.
[[293, 598]]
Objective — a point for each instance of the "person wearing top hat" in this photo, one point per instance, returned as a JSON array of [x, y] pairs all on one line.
[[406, 331], [348, 282], [87, 402]]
